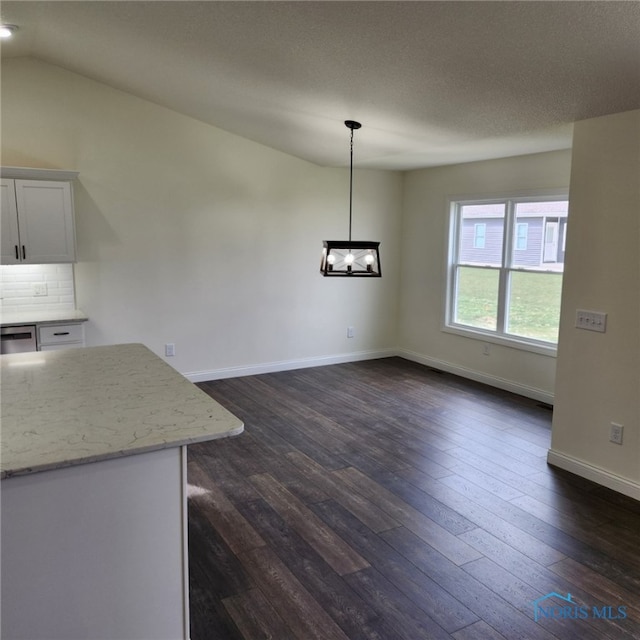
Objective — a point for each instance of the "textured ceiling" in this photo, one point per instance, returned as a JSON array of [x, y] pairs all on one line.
[[432, 82]]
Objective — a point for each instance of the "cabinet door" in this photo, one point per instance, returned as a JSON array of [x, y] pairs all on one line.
[[9, 231], [45, 220]]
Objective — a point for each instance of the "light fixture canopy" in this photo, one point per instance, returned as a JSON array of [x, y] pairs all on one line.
[[7, 30], [351, 257]]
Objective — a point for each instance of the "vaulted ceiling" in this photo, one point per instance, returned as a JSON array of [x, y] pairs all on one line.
[[432, 82]]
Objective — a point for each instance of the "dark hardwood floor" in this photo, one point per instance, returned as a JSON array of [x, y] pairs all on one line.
[[386, 500]]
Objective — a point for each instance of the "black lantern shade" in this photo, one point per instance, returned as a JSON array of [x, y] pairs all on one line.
[[350, 258]]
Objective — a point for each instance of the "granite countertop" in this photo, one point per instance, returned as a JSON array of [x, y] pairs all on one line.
[[10, 318], [62, 408]]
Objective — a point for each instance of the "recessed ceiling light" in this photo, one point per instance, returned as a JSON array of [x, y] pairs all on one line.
[[7, 30]]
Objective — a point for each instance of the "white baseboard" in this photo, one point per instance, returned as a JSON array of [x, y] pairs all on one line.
[[596, 474], [287, 365], [493, 381]]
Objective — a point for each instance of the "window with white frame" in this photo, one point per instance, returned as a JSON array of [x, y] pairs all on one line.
[[506, 261]]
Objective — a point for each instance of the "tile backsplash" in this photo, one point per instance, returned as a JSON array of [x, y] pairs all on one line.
[[37, 287]]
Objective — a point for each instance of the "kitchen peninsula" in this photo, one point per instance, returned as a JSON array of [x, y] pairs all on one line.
[[93, 468]]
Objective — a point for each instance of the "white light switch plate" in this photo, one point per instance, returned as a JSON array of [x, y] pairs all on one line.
[[591, 320], [39, 289]]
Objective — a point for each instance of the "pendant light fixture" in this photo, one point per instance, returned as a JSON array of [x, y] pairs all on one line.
[[7, 30], [351, 257]]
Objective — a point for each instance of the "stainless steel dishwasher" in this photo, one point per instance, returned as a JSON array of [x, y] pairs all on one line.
[[18, 339]]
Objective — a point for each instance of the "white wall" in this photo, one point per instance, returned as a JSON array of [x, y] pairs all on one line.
[[191, 235], [598, 378], [424, 245]]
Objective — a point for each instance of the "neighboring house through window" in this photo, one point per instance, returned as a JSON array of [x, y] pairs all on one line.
[[506, 261]]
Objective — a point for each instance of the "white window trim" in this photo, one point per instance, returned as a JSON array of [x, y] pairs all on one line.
[[447, 324]]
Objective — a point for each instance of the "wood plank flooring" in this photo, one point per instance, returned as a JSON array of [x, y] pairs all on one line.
[[384, 500]]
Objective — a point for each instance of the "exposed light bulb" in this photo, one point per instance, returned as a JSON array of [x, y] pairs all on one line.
[[349, 258], [331, 258], [369, 258], [7, 30]]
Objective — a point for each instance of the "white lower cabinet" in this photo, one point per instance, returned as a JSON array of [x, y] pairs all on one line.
[[52, 337], [97, 551]]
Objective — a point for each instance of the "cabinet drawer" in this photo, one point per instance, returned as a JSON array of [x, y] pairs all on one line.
[[60, 333], [58, 347]]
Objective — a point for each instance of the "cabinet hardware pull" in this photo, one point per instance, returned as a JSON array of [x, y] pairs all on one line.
[[17, 252], [24, 253], [61, 333]]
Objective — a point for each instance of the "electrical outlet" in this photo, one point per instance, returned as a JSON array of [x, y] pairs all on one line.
[[351, 332], [40, 289], [615, 434], [169, 349]]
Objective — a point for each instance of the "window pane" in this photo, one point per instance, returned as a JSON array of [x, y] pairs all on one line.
[[477, 297], [541, 246], [481, 233], [533, 309]]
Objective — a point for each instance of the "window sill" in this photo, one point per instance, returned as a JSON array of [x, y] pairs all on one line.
[[513, 342]]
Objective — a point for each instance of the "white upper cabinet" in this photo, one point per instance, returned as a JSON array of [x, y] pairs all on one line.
[[9, 236], [37, 221]]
